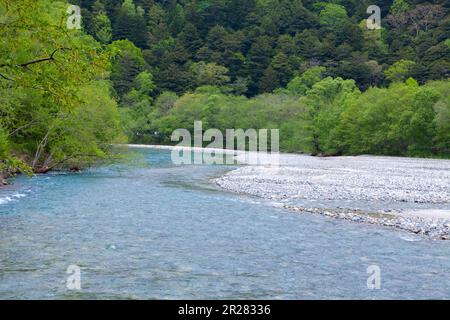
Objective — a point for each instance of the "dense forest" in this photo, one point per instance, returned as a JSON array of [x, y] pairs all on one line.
[[139, 69], [256, 46]]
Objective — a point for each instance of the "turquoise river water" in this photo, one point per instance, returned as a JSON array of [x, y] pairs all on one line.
[[161, 231]]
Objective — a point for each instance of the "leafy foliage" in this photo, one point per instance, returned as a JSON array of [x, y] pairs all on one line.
[[55, 109]]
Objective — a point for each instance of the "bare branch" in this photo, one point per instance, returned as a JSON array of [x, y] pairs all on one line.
[[6, 78], [21, 128], [26, 64]]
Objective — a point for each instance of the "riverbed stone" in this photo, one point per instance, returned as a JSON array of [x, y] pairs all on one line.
[[403, 193]]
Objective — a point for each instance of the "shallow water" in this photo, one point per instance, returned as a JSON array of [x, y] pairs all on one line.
[[164, 232]]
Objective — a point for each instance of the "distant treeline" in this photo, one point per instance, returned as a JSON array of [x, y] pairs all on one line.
[[315, 114]]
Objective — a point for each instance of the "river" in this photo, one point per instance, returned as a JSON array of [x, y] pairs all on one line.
[[159, 231]]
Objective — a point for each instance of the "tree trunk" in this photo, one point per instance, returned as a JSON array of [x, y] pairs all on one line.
[[41, 170]]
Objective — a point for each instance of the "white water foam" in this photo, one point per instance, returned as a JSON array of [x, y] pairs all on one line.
[[13, 197], [5, 200]]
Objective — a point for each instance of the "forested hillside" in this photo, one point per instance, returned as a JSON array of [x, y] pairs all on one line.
[[146, 67], [310, 68], [256, 46]]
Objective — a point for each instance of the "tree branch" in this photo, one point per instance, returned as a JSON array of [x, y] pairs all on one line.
[[22, 127], [46, 169], [26, 64], [6, 78]]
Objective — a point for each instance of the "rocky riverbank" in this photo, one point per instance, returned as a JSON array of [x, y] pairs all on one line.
[[3, 181], [402, 193]]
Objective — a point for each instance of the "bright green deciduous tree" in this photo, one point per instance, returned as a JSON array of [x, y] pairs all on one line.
[[45, 71], [300, 84], [210, 74], [399, 6], [398, 120], [333, 17], [400, 71]]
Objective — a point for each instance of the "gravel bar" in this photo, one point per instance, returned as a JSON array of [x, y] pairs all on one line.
[[403, 193]]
